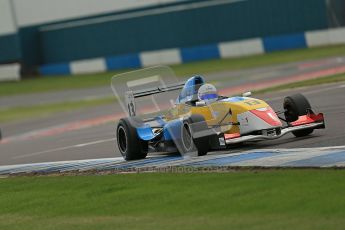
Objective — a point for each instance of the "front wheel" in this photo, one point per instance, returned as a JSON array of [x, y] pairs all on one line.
[[130, 145], [191, 127], [295, 106]]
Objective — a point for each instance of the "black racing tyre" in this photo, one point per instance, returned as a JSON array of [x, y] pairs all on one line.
[[191, 125], [302, 133], [130, 145], [295, 106]]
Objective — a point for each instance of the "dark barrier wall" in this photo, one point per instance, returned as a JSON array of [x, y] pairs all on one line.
[[336, 12], [226, 22], [31, 44], [9, 48]]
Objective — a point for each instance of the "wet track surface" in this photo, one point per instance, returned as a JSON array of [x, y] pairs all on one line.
[[62, 138]]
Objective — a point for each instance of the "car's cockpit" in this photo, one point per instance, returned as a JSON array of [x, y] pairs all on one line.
[[189, 93]]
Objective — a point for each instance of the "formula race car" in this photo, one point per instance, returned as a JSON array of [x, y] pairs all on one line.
[[201, 120]]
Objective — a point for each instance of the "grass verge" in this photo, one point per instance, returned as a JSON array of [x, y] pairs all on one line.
[[274, 199], [45, 84], [39, 111]]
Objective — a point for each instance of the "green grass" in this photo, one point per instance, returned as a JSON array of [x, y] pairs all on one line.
[[273, 58], [91, 80], [39, 111], [276, 199], [306, 83]]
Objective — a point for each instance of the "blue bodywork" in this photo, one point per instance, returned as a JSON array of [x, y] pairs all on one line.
[[145, 133], [190, 89], [171, 131]]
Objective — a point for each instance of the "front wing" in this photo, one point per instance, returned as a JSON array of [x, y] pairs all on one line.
[[304, 122]]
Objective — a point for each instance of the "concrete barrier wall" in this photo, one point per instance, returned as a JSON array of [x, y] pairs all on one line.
[[187, 24], [209, 51], [10, 72], [20, 20], [145, 32], [88, 66], [325, 37], [241, 48], [168, 56]]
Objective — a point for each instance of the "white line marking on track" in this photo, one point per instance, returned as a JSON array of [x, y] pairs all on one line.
[[94, 142], [65, 148]]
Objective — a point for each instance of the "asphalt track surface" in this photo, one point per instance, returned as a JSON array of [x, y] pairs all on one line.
[[31, 141]]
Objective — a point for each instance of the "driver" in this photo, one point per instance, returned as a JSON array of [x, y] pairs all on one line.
[[208, 93]]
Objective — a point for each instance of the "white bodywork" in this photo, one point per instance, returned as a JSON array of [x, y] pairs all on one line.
[[249, 122]]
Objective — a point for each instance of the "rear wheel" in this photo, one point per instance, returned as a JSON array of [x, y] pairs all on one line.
[[130, 145], [191, 127], [295, 106]]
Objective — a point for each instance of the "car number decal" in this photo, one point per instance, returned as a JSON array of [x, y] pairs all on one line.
[[252, 102]]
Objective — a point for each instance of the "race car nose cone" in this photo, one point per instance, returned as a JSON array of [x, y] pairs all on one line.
[[268, 115]]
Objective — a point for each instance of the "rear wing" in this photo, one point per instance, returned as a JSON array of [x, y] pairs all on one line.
[[131, 95], [142, 83], [157, 90]]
